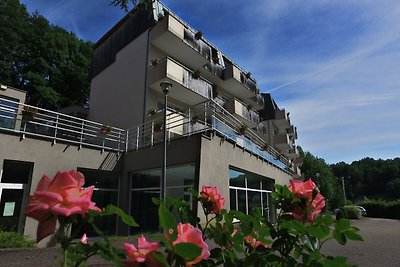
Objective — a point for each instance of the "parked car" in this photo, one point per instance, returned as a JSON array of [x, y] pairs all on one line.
[[362, 210]]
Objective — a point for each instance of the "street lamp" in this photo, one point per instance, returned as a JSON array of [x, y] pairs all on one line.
[[344, 191], [165, 86]]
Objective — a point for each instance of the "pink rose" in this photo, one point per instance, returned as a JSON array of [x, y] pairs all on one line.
[[211, 199], [62, 196], [189, 234], [253, 242], [314, 202], [142, 254], [84, 239]]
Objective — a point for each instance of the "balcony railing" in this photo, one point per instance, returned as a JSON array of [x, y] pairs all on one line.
[[37, 122], [200, 118], [197, 43]]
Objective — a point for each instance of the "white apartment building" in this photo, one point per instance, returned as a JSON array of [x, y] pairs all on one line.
[[221, 131]]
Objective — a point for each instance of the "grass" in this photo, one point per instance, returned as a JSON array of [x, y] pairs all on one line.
[[15, 240]]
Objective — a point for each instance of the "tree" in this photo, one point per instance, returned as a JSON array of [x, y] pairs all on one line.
[[317, 169], [51, 64]]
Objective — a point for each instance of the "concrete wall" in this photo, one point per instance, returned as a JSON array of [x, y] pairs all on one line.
[[48, 159], [20, 95], [217, 155], [117, 94]]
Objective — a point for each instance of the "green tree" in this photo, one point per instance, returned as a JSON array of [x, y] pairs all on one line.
[[317, 169], [51, 64]]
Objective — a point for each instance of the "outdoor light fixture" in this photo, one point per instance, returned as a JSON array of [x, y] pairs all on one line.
[[165, 86]]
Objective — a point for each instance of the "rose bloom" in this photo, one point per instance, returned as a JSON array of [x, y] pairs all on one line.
[[62, 196], [313, 202], [253, 242], [142, 254], [84, 239], [189, 234], [211, 199]]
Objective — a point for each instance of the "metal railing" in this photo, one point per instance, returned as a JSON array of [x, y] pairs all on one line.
[[200, 118], [29, 120]]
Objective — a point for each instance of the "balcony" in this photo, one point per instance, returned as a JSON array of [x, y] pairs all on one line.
[[238, 84], [292, 131], [282, 142], [243, 113], [179, 41], [281, 119], [187, 87], [206, 116], [292, 153], [29, 121]]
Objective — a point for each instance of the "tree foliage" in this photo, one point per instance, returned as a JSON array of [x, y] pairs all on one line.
[[329, 185], [369, 177], [51, 64]]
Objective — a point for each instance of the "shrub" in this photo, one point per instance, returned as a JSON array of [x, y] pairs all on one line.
[[352, 212], [379, 208], [15, 240]]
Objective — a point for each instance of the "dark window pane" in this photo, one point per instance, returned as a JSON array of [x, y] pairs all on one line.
[[242, 200], [16, 172], [236, 178], [253, 181], [100, 178], [254, 199], [232, 196], [144, 211]]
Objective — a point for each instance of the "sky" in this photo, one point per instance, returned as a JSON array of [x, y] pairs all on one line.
[[334, 65]]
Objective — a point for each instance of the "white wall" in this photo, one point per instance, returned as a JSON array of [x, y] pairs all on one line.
[[117, 94]]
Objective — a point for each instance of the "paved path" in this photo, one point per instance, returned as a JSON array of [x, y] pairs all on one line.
[[381, 245]]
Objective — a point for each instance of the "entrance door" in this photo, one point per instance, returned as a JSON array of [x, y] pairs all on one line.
[[14, 191]]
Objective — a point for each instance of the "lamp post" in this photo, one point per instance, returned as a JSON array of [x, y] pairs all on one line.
[[165, 86], [344, 191]]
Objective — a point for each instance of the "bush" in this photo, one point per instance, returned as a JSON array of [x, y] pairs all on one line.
[[352, 212], [15, 240], [349, 212], [379, 208]]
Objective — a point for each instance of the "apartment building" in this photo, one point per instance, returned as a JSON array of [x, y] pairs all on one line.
[[220, 130]]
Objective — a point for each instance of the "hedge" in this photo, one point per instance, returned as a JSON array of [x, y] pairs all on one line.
[[349, 212], [379, 208]]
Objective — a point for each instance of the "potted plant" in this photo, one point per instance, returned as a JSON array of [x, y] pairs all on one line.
[[243, 129], [105, 129], [248, 75], [265, 147], [158, 127], [196, 74], [152, 111], [215, 60], [29, 112], [198, 35], [154, 62], [195, 118]]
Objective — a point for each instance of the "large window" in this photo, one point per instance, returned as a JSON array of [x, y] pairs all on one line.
[[146, 185], [249, 191], [105, 192]]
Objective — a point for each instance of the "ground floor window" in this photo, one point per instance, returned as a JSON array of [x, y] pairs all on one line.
[[105, 192], [145, 185], [249, 191]]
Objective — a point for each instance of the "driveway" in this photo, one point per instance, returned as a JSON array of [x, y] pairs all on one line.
[[381, 245]]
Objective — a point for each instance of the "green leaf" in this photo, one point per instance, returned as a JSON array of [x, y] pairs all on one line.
[[187, 251], [161, 258], [342, 225], [167, 222], [317, 232], [126, 218], [340, 237], [326, 219], [352, 235]]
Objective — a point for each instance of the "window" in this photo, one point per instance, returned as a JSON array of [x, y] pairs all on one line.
[[146, 184], [105, 192], [249, 191], [8, 111]]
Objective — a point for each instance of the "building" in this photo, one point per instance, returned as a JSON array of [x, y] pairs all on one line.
[[221, 131]]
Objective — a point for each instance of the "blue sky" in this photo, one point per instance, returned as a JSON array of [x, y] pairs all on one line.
[[334, 65]]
